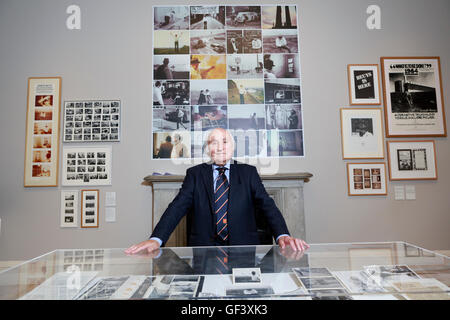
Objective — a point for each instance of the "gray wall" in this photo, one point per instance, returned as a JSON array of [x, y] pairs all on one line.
[[110, 58]]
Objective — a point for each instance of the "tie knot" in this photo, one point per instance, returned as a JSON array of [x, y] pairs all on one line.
[[221, 170]]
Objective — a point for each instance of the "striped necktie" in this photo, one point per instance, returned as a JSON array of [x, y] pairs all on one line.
[[221, 204]]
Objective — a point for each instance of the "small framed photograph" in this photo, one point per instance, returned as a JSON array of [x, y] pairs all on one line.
[[366, 179], [69, 209], [363, 84], [413, 97], [247, 276], [42, 132], [412, 160], [89, 208], [362, 133]]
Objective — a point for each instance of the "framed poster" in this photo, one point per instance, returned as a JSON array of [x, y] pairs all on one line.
[[413, 97], [366, 179], [89, 208], [363, 84], [42, 132], [69, 209], [87, 166], [412, 160], [91, 121], [362, 133]]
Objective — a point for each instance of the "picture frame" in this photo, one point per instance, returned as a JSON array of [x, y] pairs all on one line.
[[362, 133], [42, 132], [366, 179], [90, 208], [87, 166], [92, 121], [413, 97], [246, 276], [363, 84], [69, 209], [412, 160]]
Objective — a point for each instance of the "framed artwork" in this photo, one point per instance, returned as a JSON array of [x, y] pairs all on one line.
[[42, 132], [87, 166], [69, 209], [89, 208], [91, 121], [362, 133], [412, 160], [366, 179], [363, 84], [413, 97]]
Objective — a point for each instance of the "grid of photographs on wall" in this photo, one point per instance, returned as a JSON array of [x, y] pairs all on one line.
[[69, 209], [89, 208], [366, 178], [87, 166], [91, 121], [234, 67]]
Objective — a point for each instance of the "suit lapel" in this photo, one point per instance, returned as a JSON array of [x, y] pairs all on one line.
[[235, 187], [208, 181]]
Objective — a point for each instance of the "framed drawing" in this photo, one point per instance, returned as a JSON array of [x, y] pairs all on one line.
[[363, 84], [366, 179], [91, 121], [413, 97], [42, 132], [89, 208], [87, 166], [69, 209], [362, 133], [412, 160]]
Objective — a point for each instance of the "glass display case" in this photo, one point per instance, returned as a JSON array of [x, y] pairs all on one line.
[[338, 271]]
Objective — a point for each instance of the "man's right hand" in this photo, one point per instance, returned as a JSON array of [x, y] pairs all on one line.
[[149, 245]]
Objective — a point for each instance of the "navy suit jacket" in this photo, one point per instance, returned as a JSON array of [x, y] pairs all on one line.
[[247, 197]]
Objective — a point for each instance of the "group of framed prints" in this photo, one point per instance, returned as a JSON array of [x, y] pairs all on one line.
[[413, 108], [86, 121]]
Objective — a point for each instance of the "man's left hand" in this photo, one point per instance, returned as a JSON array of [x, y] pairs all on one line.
[[294, 243]]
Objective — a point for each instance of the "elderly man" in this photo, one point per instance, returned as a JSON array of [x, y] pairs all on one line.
[[220, 198]]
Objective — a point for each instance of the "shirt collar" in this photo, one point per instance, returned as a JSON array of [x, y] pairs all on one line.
[[227, 165]]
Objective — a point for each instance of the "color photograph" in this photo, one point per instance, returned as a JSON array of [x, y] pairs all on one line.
[[247, 91]]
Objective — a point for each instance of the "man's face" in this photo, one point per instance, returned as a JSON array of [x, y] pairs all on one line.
[[221, 147]]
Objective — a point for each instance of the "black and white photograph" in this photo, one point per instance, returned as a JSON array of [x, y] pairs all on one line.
[[170, 92], [235, 41], [252, 41], [321, 283], [248, 117], [242, 292], [330, 294], [246, 276], [413, 97], [92, 121], [243, 17], [283, 116], [87, 166], [363, 84], [207, 17], [244, 66], [412, 160], [358, 281], [199, 145], [383, 274], [171, 18], [209, 117], [169, 67], [250, 143], [170, 118], [282, 90], [69, 209], [310, 272], [279, 17], [172, 145], [281, 66], [246, 91], [280, 41], [211, 92], [90, 208], [284, 143], [208, 41]]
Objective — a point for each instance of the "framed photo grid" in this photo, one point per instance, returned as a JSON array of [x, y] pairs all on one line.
[[69, 208], [362, 133], [413, 97], [89, 208], [234, 67], [42, 132], [363, 84], [87, 166], [92, 121], [412, 160], [366, 179]]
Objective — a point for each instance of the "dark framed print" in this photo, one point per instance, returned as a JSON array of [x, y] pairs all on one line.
[[413, 97], [89, 208], [363, 84]]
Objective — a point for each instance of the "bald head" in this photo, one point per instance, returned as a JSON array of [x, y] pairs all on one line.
[[220, 146]]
